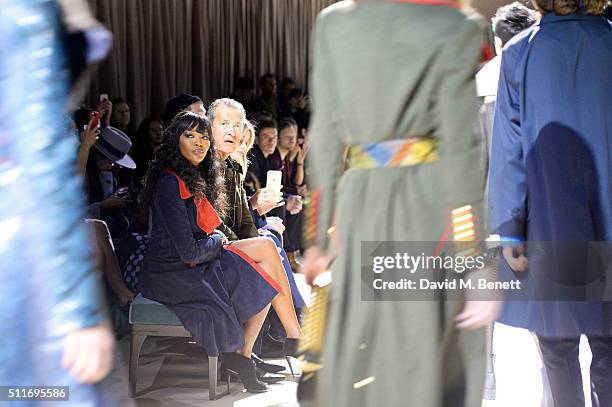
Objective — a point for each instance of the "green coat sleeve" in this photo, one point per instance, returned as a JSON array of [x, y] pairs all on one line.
[[326, 156], [228, 232], [457, 116], [247, 226]]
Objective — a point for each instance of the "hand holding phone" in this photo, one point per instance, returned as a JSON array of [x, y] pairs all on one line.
[[94, 119], [273, 181]]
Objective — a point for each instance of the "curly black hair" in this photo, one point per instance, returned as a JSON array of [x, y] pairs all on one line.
[[204, 180], [565, 7]]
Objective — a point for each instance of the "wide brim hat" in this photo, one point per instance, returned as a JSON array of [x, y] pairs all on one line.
[[114, 145]]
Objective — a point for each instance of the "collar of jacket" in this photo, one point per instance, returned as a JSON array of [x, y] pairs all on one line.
[[448, 3], [207, 217], [555, 18]]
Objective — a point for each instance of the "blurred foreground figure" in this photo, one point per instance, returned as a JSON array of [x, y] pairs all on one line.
[[393, 83], [54, 333], [551, 190]]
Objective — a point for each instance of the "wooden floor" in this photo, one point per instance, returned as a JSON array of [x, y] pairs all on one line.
[[173, 373]]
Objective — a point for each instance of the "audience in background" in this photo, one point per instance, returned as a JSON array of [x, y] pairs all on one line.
[[286, 86], [182, 102], [267, 101], [263, 156], [291, 158], [120, 116], [297, 107], [244, 93], [100, 157], [220, 292], [149, 138], [273, 334], [118, 295]]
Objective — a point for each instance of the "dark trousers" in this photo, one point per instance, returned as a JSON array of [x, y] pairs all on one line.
[[294, 225], [563, 369]]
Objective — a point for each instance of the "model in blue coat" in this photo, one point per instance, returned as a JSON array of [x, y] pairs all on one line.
[[551, 188]]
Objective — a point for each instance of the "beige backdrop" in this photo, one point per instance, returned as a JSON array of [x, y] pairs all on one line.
[[164, 47]]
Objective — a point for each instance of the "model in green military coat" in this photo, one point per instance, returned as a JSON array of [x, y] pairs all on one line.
[[389, 70]]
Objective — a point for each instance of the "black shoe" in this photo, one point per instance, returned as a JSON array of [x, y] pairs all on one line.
[[266, 367], [271, 348], [245, 369], [269, 377], [290, 348], [262, 376]]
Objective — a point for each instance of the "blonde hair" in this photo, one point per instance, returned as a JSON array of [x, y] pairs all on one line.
[[564, 7], [248, 130]]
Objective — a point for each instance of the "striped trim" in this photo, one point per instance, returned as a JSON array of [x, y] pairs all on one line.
[[256, 266], [393, 153], [111, 149]]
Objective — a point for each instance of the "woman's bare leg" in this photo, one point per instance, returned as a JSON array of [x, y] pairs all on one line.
[[251, 331], [263, 251], [107, 262]]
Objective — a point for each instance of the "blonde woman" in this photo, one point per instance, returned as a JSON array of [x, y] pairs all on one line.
[[271, 227]]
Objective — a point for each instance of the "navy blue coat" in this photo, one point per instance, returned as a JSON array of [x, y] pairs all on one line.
[[213, 289], [551, 172]]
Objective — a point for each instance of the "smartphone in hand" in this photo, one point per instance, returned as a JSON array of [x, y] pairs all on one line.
[[96, 119], [273, 181]]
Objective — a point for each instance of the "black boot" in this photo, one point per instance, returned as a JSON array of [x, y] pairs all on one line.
[[245, 369], [269, 378], [265, 366], [262, 376], [290, 349]]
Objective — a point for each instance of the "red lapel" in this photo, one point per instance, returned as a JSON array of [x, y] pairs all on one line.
[[208, 219]]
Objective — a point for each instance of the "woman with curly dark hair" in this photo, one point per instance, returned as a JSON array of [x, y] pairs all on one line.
[[221, 292]]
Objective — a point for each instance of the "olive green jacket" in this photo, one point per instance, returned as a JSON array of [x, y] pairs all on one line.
[[237, 222]]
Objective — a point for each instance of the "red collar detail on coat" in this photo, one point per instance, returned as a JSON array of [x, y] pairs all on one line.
[[424, 2], [208, 219]]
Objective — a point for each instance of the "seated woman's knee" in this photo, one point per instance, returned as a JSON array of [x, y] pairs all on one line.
[[268, 245]]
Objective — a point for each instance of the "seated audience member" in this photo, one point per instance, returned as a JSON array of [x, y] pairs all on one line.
[[286, 86], [267, 101], [221, 292], [292, 158], [297, 107], [227, 118], [121, 119], [180, 103], [263, 223], [120, 116], [149, 137], [118, 295], [263, 156], [271, 227], [244, 93], [261, 200], [99, 157]]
